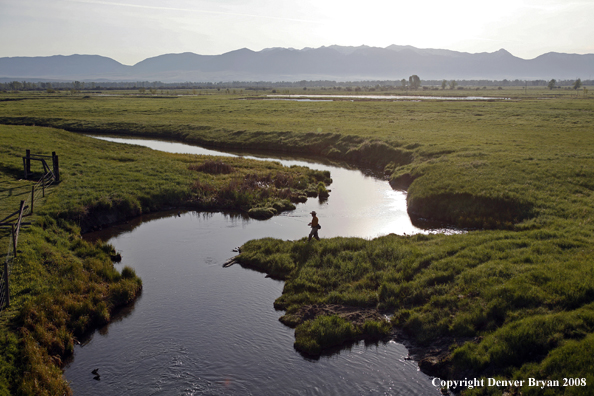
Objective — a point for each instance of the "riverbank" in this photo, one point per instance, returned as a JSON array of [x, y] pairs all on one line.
[[63, 287]]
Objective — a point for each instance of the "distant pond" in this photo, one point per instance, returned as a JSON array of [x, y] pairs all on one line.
[[381, 97]]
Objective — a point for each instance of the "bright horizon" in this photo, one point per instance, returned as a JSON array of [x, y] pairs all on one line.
[[130, 31]]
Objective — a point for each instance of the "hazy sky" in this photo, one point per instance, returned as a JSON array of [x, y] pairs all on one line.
[[132, 30]]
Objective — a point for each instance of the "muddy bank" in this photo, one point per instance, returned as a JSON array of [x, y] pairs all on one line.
[[356, 315], [469, 211], [434, 359]]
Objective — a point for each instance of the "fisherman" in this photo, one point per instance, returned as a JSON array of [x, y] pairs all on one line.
[[315, 226]]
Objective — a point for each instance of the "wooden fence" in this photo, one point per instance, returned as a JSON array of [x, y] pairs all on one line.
[[55, 170], [14, 221]]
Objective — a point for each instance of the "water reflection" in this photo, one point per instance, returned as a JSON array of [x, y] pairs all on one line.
[[286, 159]]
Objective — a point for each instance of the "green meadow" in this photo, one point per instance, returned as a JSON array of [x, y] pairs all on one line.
[[514, 296]]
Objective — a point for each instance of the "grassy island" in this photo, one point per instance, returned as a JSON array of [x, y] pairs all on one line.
[[513, 298]]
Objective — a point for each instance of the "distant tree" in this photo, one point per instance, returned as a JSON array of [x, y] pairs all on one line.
[[403, 83], [444, 84], [15, 85], [577, 84], [552, 84], [453, 84], [414, 82]]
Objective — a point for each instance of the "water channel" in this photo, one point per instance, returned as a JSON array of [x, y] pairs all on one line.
[[200, 329]]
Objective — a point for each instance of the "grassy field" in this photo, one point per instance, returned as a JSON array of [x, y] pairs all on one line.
[[515, 296]]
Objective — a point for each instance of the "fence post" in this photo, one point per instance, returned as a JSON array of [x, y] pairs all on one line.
[[6, 288], [25, 168], [56, 167], [32, 198], [15, 233], [28, 162], [14, 240]]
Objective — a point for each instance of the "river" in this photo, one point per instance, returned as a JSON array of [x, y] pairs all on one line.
[[200, 329]]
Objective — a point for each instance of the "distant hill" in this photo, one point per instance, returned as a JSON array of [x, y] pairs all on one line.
[[59, 66], [338, 63]]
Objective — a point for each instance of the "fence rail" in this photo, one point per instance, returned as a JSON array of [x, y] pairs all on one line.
[[15, 220]]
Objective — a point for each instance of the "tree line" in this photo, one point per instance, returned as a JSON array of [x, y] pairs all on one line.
[[412, 83]]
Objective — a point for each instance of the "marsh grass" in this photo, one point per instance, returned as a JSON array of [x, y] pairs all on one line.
[[329, 331], [213, 167], [322, 191], [261, 194]]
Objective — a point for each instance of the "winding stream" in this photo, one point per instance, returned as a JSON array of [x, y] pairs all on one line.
[[200, 329]]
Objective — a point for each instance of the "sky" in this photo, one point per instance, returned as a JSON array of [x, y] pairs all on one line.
[[130, 31]]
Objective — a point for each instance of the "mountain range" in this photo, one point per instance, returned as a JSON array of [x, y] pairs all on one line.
[[335, 63]]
